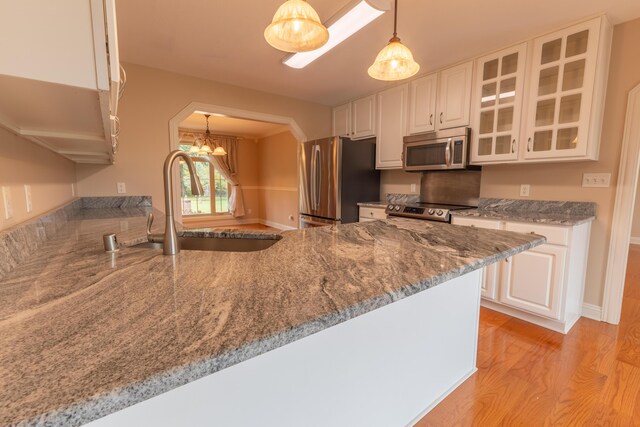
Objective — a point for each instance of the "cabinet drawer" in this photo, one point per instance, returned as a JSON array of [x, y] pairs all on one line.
[[372, 213], [476, 222], [555, 235]]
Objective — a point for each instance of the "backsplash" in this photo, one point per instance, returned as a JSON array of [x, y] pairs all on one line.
[[402, 198]]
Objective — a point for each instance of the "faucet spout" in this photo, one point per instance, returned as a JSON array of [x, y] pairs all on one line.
[[170, 241]]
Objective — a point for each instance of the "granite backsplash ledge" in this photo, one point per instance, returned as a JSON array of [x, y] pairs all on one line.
[[539, 206], [20, 241]]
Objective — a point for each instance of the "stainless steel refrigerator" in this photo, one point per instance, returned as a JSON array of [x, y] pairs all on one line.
[[335, 174]]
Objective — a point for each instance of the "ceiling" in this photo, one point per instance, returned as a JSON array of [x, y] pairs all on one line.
[[251, 129], [223, 40]]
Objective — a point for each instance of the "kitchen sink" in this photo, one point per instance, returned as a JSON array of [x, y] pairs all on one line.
[[215, 244]]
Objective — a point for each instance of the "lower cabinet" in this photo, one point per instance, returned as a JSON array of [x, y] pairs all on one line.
[[544, 285], [368, 213]]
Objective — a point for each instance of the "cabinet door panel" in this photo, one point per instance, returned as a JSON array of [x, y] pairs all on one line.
[[363, 117], [533, 280], [454, 96], [497, 105], [392, 127], [422, 110], [561, 92], [342, 120]]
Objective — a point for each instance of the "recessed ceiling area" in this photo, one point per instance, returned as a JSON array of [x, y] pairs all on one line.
[[223, 40], [251, 129]]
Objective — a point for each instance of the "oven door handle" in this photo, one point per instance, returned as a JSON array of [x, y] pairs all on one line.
[[447, 153]]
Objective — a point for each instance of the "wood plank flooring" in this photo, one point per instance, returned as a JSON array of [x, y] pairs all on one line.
[[530, 376]]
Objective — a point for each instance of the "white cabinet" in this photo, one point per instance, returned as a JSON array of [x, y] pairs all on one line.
[[391, 126], [441, 100], [497, 101], [454, 96], [533, 280], [422, 110], [490, 273], [342, 120], [566, 92], [368, 213], [356, 119], [66, 59], [544, 285]]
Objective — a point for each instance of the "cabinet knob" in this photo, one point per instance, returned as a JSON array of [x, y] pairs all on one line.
[[529, 144], [431, 119], [513, 146], [441, 113]]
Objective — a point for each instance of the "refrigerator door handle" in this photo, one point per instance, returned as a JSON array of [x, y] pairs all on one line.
[[318, 168], [312, 184]]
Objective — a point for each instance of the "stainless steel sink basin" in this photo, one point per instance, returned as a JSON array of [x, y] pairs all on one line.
[[215, 244]]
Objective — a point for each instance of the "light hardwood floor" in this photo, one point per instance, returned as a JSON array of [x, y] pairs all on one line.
[[530, 376]]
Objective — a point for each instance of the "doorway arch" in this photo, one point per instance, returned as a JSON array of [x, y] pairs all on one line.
[[174, 134]]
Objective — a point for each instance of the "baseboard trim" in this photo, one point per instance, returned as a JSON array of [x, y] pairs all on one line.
[[635, 240], [277, 225], [592, 311]]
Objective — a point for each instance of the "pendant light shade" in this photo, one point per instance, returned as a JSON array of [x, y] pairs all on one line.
[[395, 61], [296, 27]]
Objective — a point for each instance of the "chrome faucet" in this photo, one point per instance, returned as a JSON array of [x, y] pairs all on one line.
[[170, 238]]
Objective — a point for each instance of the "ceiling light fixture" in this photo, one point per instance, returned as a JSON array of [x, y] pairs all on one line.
[[395, 60], [341, 26], [296, 27], [203, 146]]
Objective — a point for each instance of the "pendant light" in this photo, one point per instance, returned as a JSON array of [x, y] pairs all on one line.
[[203, 146], [395, 60], [296, 27]]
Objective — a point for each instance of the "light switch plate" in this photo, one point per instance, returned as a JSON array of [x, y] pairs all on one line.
[[525, 189], [8, 205], [413, 188], [122, 188], [27, 197], [601, 180]]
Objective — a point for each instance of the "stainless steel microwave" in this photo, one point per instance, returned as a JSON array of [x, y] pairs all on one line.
[[442, 150]]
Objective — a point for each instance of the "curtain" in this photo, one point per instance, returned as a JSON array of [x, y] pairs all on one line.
[[228, 168]]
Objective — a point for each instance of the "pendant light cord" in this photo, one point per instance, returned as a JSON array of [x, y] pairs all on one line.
[[395, 19]]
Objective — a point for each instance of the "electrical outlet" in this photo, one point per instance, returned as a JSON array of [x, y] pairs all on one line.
[[8, 206], [413, 188], [27, 197], [249, 211], [601, 180], [122, 188], [525, 189]]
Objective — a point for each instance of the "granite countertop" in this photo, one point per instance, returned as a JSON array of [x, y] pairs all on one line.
[[373, 204], [85, 333], [534, 211]]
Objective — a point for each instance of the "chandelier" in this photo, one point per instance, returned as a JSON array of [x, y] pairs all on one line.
[[205, 146]]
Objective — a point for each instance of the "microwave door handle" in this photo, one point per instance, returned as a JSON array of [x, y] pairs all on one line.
[[447, 153]]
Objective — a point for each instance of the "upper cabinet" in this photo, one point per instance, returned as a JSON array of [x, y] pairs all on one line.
[[498, 95], [356, 119], [391, 126], [62, 78], [454, 96], [441, 100], [566, 92]]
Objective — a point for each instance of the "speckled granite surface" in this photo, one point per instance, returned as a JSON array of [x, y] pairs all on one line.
[[537, 211], [84, 333], [376, 205], [392, 198]]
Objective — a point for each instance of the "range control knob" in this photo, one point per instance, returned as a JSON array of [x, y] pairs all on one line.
[[431, 211], [397, 208], [439, 212], [389, 207]]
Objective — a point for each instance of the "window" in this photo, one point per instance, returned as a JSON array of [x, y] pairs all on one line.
[[215, 199]]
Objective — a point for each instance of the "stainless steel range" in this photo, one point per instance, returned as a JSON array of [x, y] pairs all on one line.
[[428, 211], [440, 194]]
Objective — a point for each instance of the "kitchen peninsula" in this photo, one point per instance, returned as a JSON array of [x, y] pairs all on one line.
[[373, 320]]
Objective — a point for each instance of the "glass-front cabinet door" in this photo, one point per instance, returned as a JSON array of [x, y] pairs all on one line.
[[561, 92], [498, 87]]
